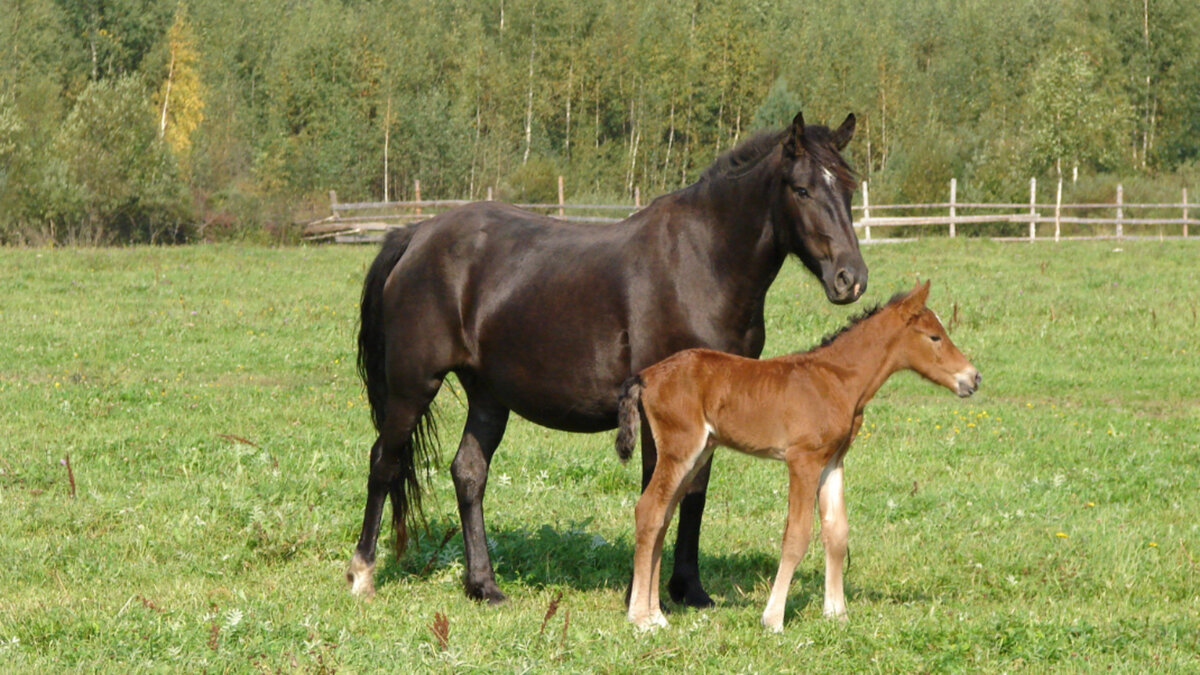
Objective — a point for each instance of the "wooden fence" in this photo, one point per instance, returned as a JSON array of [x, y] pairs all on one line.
[[358, 222]]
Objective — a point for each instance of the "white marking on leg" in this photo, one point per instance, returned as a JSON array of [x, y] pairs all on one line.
[[361, 577], [832, 504]]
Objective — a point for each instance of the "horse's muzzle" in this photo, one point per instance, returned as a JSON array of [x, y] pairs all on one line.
[[968, 382], [847, 286]]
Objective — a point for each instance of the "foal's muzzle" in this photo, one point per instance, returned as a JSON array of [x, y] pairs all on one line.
[[968, 382]]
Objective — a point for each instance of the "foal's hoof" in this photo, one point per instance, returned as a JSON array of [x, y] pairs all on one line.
[[688, 591], [360, 576], [487, 591], [650, 623]]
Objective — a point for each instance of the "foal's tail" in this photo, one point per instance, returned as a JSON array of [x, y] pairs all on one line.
[[371, 339], [628, 418]]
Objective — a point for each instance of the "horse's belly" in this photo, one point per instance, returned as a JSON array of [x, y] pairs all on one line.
[[559, 405]]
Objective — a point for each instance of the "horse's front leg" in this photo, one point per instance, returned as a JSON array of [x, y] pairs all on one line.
[[835, 528], [804, 471], [486, 421]]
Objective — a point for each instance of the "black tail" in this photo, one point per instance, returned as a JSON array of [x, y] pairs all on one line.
[[421, 447], [371, 340], [628, 418]]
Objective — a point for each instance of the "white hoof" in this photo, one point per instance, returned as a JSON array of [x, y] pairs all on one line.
[[659, 620], [361, 577], [650, 623], [775, 625], [838, 614]]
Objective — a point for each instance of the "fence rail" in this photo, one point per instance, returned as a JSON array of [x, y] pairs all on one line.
[[357, 222]]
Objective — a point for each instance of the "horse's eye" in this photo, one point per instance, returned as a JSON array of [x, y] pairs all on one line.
[[935, 338], [803, 192]]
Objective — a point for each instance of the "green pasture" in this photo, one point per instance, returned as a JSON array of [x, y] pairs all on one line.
[[218, 436]]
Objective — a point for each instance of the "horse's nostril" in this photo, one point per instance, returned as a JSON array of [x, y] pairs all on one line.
[[843, 280], [978, 379]]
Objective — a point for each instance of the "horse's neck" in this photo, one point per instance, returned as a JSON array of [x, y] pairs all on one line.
[[736, 223], [866, 355]]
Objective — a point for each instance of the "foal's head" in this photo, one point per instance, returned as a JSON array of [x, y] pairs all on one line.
[[812, 214], [925, 347]]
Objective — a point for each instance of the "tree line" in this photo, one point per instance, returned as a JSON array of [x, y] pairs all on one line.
[[167, 120]]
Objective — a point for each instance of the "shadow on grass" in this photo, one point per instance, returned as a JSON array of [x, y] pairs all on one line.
[[574, 557]]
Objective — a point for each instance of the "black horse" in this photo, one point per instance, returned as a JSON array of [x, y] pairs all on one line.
[[547, 319]]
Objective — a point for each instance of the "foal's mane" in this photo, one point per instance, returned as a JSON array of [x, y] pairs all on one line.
[[859, 318], [818, 142]]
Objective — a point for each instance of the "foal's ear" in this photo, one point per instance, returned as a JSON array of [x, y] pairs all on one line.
[[841, 137], [914, 303], [793, 144]]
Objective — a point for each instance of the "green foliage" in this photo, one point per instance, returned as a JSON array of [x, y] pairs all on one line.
[[778, 108], [535, 182], [280, 102], [218, 438], [119, 180], [1072, 117]]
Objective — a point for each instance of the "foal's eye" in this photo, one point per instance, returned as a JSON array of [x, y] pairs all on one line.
[[935, 338], [803, 192]]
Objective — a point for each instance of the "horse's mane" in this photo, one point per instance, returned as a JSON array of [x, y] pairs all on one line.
[[818, 142], [744, 155], [859, 318]]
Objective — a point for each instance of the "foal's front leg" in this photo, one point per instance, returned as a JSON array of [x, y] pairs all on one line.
[[834, 535], [804, 469], [835, 528]]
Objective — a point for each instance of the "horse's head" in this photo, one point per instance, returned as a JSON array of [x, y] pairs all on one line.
[[925, 347], [812, 214]]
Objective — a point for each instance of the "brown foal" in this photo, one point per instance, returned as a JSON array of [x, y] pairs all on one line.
[[804, 409]]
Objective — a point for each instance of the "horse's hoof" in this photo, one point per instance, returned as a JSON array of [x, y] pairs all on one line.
[[650, 623], [360, 576], [838, 615], [689, 592]]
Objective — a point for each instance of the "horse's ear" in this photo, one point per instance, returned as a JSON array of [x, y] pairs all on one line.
[[793, 144], [914, 303], [921, 293], [841, 137]]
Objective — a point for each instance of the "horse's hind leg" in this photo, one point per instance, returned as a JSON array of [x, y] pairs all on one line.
[[486, 421], [386, 475]]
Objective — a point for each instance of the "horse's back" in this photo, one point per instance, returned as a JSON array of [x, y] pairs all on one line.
[[535, 307]]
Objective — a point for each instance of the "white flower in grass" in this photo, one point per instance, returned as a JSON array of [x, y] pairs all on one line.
[[232, 618]]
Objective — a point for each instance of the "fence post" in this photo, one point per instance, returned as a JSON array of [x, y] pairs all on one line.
[[953, 194], [1058, 209], [866, 212], [1120, 211], [1033, 208], [637, 197], [560, 197], [417, 193], [333, 201], [1185, 213], [489, 197]]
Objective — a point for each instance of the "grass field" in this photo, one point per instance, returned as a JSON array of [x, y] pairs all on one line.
[[217, 436]]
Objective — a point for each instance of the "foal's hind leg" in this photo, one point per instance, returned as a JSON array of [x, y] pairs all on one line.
[[395, 438], [675, 467], [684, 585], [486, 421]]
